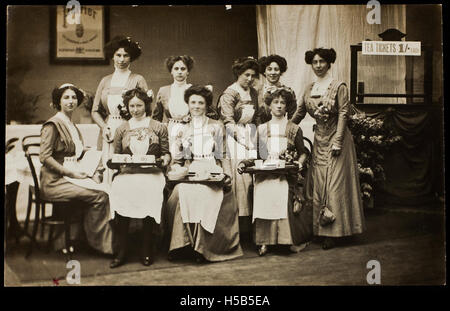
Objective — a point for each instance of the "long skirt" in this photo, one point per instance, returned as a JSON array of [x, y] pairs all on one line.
[[94, 207], [221, 245], [341, 193], [293, 230], [242, 184]]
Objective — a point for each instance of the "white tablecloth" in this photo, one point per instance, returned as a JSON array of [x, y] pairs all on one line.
[[16, 165]]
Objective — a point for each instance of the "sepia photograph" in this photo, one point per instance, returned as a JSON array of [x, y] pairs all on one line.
[[224, 145]]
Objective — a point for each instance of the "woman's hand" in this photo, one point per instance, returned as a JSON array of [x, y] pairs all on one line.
[[165, 161], [300, 167], [98, 176], [335, 152], [227, 183], [107, 134], [241, 167]]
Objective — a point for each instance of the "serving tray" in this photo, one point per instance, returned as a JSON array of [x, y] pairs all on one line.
[[212, 181], [117, 165], [271, 170]]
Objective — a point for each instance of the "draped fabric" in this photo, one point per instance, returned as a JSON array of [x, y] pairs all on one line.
[[291, 30], [412, 167]]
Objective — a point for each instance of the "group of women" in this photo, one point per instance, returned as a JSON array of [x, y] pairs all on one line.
[[182, 127]]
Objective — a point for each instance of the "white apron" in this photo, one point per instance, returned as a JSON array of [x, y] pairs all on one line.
[[271, 192], [201, 203], [138, 195]]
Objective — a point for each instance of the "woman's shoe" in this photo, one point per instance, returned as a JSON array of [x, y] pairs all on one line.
[[116, 263], [147, 261], [199, 258], [328, 243], [262, 250]]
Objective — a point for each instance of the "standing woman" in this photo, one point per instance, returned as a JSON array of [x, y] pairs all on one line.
[[333, 180], [275, 216], [207, 208], [60, 138], [272, 67], [238, 108], [108, 98], [171, 108], [138, 192]]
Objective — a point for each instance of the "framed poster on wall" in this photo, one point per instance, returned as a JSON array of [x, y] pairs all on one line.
[[78, 35]]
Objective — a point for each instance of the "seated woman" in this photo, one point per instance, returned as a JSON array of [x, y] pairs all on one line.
[[60, 138], [137, 192], [278, 215], [201, 215]]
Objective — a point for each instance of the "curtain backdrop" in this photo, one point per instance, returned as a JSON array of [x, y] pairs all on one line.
[[414, 171], [291, 30]]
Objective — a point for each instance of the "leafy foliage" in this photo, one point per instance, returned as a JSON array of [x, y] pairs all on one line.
[[373, 138]]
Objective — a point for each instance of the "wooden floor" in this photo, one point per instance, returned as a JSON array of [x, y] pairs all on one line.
[[414, 255]]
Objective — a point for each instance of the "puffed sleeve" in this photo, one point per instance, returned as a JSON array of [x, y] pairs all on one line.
[[299, 143], [164, 139], [300, 113], [49, 134], [118, 137], [141, 83], [157, 113], [292, 110], [98, 96], [343, 107], [227, 103], [263, 151], [220, 151]]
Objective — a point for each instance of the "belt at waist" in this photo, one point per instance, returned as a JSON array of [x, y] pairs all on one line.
[[201, 156], [177, 121]]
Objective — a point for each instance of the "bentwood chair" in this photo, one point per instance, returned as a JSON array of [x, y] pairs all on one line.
[[310, 145], [61, 211], [31, 141]]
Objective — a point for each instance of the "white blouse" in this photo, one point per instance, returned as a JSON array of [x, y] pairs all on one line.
[[177, 106], [120, 77], [321, 84], [134, 124]]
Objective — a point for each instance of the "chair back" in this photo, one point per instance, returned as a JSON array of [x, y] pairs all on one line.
[[10, 144], [31, 145], [309, 143], [309, 147]]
